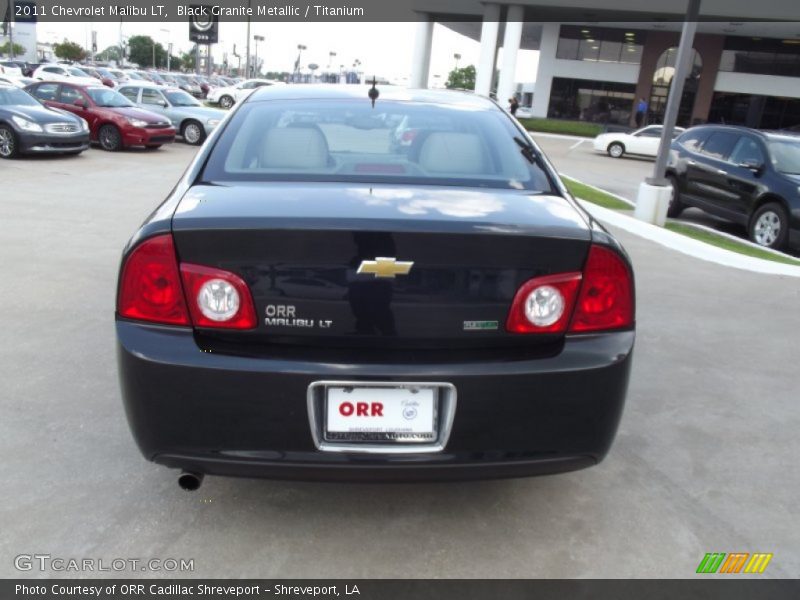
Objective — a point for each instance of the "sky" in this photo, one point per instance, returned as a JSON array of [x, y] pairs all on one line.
[[384, 49]]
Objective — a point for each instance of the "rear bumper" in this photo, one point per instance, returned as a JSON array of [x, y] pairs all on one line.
[[242, 416]]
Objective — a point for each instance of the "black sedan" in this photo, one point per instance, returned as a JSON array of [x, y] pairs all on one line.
[[742, 175], [27, 127], [312, 303]]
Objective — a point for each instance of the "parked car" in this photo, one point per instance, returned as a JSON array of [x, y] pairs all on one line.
[[53, 72], [114, 121], [27, 127], [19, 82], [193, 120], [228, 96], [12, 69], [189, 86], [642, 142], [105, 80], [474, 320], [742, 175]]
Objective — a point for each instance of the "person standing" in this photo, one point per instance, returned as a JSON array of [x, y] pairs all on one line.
[[513, 105], [641, 112]]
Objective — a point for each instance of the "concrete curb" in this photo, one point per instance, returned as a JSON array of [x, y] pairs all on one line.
[[687, 245]]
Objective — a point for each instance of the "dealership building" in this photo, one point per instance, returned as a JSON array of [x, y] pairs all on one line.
[[596, 65]]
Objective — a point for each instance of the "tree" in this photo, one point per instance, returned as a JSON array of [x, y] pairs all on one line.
[[111, 53], [186, 61], [140, 51], [462, 79], [67, 50], [5, 49]]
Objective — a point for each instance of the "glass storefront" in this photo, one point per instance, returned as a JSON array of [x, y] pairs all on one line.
[[761, 56], [596, 101], [759, 112], [600, 44]]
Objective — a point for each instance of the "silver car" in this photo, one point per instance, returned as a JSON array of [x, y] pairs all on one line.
[[193, 121]]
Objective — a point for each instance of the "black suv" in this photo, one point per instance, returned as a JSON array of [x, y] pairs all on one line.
[[742, 175]]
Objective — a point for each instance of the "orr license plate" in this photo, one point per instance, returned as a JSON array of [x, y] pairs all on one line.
[[399, 414]]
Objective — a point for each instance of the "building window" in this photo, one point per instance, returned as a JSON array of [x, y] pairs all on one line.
[[761, 57], [758, 112], [596, 101], [600, 44]]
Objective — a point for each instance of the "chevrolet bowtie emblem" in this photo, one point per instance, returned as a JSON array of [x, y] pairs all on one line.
[[384, 267]]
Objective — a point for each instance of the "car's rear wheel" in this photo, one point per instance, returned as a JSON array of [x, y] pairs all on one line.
[[193, 133], [8, 142], [110, 138], [769, 226], [675, 207], [226, 101], [615, 150]]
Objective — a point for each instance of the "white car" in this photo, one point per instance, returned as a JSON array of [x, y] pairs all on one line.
[[10, 71], [642, 142], [228, 96], [19, 82], [65, 73]]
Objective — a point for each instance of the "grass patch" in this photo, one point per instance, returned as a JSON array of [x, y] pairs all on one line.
[[580, 128], [728, 244], [584, 192]]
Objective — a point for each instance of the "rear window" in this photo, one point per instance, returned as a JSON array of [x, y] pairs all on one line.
[[348, 140]]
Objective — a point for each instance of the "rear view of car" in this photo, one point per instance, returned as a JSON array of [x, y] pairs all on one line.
[[313, 302]]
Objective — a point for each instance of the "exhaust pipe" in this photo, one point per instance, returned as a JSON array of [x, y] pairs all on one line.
[[190, 481]]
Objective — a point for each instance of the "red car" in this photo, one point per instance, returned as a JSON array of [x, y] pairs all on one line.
[[113, 120]]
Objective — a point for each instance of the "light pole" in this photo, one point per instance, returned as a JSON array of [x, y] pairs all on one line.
[[247, 50], [357, 66], [300, 48], [331, 56], [169, 45], [457, 56], [257, 38]]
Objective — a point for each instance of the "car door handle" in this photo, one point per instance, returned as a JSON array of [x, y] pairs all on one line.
[[722, 172], [691, 163]]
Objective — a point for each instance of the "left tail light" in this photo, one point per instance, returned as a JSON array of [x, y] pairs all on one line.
[[150, 286], [155, 288], [217, 298]]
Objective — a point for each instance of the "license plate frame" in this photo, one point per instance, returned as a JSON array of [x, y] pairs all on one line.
[[444, 404]]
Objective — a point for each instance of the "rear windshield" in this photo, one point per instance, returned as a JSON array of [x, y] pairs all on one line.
[[348, 140]]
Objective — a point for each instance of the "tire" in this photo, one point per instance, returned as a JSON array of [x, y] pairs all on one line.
[[675, 205], [615, 150], [193, 133], [9, 146], [226, 101], [769, 226], [110, 138]]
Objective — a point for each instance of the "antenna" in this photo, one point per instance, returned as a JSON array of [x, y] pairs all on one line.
[[373, 91]]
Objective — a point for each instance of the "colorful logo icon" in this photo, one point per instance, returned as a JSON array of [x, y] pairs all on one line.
[[734, 562]]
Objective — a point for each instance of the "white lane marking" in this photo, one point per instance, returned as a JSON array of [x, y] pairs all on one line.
[[575, 145]]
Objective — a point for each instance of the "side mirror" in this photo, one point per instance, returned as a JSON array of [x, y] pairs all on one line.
[[756, 166]]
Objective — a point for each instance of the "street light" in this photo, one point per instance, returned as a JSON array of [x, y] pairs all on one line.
[[169, 45], [300, 48], [457, 56], [331, 56], [256, 68]]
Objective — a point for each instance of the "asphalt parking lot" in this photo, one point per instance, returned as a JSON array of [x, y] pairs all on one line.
[[705, 459]]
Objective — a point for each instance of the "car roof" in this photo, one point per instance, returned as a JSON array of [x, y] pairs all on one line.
[[387, 92]]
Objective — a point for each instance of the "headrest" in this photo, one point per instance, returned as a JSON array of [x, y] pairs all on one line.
[[294, 148], [447, 152]]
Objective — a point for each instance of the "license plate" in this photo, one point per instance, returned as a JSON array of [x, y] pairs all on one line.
[[399, 414]]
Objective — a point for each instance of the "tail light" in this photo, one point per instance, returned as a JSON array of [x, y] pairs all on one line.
[[600, 298], [150, 286], [217, 298], [606, 297], [544, 304], [152, 289]]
